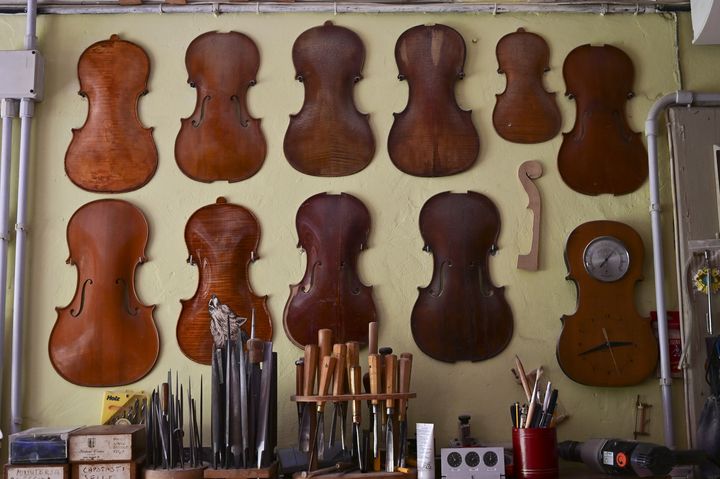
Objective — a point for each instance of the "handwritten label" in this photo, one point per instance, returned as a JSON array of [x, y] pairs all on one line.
[[41, 472], [114, 447], [103, 471]]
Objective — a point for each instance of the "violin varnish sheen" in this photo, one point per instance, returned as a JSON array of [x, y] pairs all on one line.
[[105, 336], [222, 241], [329, 137], [112, 152], [461, 315], [333, 231], [601, 154], [220, 141], [432, 136], [525, 112]]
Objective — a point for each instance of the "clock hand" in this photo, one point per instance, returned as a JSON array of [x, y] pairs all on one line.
[[607, 258], [604, 346], [612, 355]]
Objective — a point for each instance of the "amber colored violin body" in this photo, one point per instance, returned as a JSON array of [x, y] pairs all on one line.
[[105, 336], [221, 141], [601, 154], [606, 342], [461, 315], [329, 137], [112, 152], [432, 136], [333, 230], [525, 112], [222, 239]]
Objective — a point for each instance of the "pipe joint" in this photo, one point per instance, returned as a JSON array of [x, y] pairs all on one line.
[[655, 208], [27, 108], [5, 237], [21, 228], [9, 108], [665, 382], [684, 97]]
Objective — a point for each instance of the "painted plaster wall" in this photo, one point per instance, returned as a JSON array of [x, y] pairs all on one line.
[[394, 262]]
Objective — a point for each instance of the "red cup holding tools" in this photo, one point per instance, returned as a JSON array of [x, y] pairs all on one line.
[[535, 453]]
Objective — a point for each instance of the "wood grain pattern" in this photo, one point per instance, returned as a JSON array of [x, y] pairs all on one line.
[[606, 314], [432, 136], [222, 241], [529, 171], [601, 154], [525, 112], [329, 137], [105, 336], [220, 140], [112, 152]]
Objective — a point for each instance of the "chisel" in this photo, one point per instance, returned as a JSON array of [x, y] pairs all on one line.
[[340, 354], [308, 420], [327, 368], [354, 379], [264, 406], [325, 343], [255, 357], [405, 368], [390, 369], [244, 420], [299, 378], [384, 352], [374, 371]]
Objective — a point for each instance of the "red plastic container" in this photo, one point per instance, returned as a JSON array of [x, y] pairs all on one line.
[[535, 453]]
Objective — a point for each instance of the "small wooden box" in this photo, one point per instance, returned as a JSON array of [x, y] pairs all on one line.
[[117, 443], [36, 471], [106, 470]]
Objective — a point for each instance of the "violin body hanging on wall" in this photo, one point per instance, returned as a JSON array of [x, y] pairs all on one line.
[[221, 141], [525, 112], [333, 230], [601, 154], [461, 315], [222, 240], [432, 136], [105, 336], [112, 152], [329, 137], [606, 342]]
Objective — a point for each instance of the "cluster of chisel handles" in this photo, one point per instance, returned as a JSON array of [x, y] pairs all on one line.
[[387, 383]]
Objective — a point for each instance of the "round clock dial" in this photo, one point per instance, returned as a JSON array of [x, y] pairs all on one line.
[[490, 459], [472, 459], [606, 259], [454, 459]]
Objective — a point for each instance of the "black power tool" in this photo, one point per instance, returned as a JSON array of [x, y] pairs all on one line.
[[615, 456]]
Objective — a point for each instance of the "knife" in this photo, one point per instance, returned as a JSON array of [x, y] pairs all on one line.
[[354, 379], [374, 371], [327, 368], [339, 353], [308, 420], [405, 368], [325, 343], [391, 365]]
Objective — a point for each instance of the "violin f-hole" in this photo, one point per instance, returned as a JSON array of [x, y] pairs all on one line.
[[126, 297], [309, 286], [82, 299], [197, 123], [442, 277], [244, 122]]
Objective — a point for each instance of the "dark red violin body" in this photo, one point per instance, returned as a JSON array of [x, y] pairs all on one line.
[[329, 137], [601, 154], [105, 336], [432, 136], [333, 230], [222, 240], [221, 141], [461, 315]]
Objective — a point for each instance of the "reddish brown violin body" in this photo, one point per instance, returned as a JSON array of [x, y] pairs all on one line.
[[222, 240], [525, 112], [606, 342], [329, 137], [105, 336], [461, 315], [432, 136], [221, 141], [112, 152], [601, 154], [333, 230]]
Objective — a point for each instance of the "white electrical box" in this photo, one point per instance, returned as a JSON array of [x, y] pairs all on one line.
[[472, 463], [21, 74]]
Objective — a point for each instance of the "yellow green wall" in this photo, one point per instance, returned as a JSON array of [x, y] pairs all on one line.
[[394, 262]]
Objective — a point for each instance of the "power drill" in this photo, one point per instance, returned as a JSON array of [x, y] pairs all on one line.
[[615, 456]]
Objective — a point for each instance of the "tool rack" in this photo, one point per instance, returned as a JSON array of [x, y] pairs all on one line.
[[262, 473]]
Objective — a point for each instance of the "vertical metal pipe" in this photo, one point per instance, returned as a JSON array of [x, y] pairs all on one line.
[[30, 25]]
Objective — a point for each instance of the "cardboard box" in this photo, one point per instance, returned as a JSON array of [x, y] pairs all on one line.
[[116, 443], [106, 470], [37, 471]]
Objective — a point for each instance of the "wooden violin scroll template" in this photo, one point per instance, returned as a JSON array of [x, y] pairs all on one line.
[[105, 336], [329, 137], [606, 342], [461, 315], [601, 154], [332, 230], [432, 136], [220, 140], [525, 112], [528, 172], [112, 152], [222, 240]]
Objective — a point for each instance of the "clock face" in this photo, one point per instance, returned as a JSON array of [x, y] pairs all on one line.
[[606, 259], [454, 459]]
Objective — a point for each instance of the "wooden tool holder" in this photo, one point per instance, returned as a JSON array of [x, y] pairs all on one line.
[[354, 474], [270, 472]]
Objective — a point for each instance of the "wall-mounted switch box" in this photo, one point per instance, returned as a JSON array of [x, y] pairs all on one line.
[[22, 74]]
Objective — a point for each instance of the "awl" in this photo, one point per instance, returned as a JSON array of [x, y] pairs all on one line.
[[405, 368], [390, 369]]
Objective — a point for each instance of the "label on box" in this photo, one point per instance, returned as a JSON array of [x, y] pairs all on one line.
[[35, 472], [112, 447], [103, 471]]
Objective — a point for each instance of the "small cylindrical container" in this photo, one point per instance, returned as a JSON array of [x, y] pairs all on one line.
[[535, 453]]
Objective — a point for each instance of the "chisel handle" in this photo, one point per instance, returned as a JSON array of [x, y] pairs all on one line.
[[391, 368], [255, 350], [372, 338], [327, 368], [299, 376], [405, 367], [353, 355], [310, 359], [340, 354], [355, 389], [325, 341], [374, 370]]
